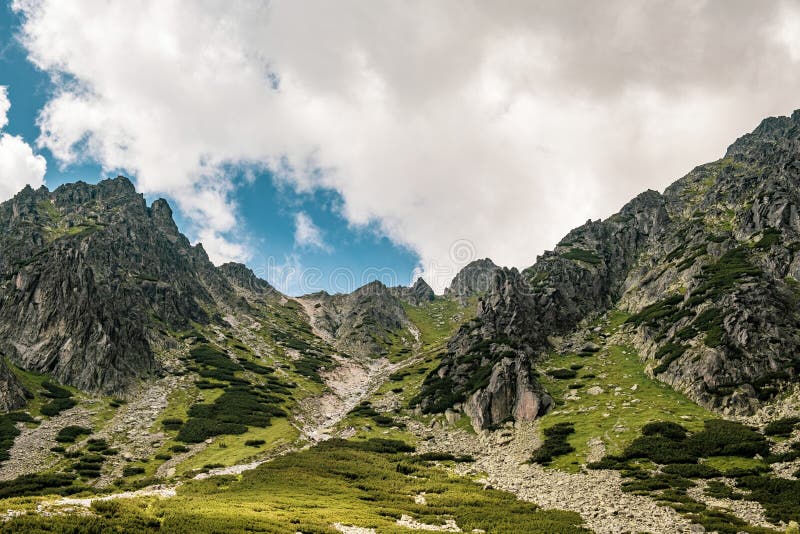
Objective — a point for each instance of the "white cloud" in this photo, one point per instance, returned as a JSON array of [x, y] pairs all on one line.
[[306, 233], [5, 105], [19, 166], [502, 124]]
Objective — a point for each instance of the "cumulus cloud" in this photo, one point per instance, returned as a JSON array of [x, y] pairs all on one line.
[[19, 166], [306, 233], [503, 124], [5, 105]]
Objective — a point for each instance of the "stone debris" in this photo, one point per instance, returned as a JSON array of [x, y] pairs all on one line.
[[596, 495], [161, 491], [749, 511], [350, 529], [31, 450], [411, 523]]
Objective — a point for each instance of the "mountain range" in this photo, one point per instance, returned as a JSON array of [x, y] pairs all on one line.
[[131, 363]]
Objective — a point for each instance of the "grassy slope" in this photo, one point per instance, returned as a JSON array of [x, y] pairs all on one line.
[[311, 490], [330, 484], [617, 414]]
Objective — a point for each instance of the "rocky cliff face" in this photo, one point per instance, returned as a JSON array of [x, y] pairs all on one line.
[[709, 271], [12, 394], [717, 296], [89, 275], [361, 323], [474, 279]]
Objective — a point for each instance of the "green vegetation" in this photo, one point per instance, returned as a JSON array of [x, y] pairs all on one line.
[[69, 434], [8, 433], [368, 484], [172, 423], [365, 409], [721, 448], [585, 256], [770, 237], [287, 328], [779, 497], [443, 457], [44, 484], [311, 362], [554, 444], [233, 449], [666, 309], [628, 401], [60, 399], [236, 409], [437, 320], [239, 405], [78, 231], [442, 392], [694, 253], [718, 438], [132, 470], [722, 276], [710, 321], [562, 374], [666, 354], [691, 471], [782, 427], [713, 281]]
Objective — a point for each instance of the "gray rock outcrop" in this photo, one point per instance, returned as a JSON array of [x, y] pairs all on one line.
[[12, 393], [361, 323], [474, 279], [89, 276], [419, 293]]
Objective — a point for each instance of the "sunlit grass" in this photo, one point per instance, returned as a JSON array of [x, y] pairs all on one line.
[[231, 450], [618, 413]]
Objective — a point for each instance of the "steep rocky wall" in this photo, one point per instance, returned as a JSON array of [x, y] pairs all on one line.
[[89, 273], [722, 323], [12, 394]]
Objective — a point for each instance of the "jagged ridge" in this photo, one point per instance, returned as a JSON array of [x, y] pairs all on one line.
[[720, 243]]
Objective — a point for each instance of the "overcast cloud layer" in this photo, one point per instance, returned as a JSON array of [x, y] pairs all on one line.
[[502, 123]]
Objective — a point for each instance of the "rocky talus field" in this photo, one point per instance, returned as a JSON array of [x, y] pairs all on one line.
[[642, 376]]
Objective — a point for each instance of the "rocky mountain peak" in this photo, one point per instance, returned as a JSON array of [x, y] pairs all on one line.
[[774, 133], [473, 279], [130, 271], [375, 287], [361, 323], [647, 201], [161, 213], [422, 290], [243, 277], [419, 293]]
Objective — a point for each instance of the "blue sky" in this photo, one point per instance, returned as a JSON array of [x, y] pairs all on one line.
[[349, 256]]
